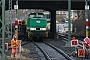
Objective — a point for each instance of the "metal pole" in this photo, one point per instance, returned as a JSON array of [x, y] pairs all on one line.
[[87, 27], [3, 30], [69, 21], [86, 14], [16, 29], [17, 9], [19, 48], [16, 14], [10, 20]]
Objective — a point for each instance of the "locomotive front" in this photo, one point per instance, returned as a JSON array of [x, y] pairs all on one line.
[[36, 25]]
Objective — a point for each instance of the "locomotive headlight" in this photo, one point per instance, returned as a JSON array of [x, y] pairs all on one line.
[[32, 28], [42, 28]]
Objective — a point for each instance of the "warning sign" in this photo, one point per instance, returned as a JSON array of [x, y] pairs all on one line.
[[86, 45], [87, 40], [74, 42], [81, 53]]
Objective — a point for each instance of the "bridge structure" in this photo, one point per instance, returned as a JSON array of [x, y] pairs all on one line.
[[49, 5]]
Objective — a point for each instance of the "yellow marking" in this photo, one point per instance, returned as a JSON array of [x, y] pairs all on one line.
[[16, 32], [87, 33]]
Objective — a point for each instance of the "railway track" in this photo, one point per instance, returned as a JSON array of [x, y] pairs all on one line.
[[80, 39], [50, 52]]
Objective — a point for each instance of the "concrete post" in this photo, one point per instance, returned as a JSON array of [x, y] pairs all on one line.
[[53, 24]]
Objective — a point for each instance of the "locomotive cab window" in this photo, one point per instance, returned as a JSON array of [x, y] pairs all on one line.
[[41, 16], [34, 15], [31, 16]]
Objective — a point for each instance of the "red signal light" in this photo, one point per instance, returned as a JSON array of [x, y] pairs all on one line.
[[86, 23], [16, 22]]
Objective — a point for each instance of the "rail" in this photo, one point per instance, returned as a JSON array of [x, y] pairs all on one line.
[[59, 50], [56, 49]]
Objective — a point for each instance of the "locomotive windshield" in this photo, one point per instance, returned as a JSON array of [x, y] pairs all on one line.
[[31, 15], [34, 15], [41, 16]]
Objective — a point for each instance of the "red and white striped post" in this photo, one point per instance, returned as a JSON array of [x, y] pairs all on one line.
[[16, 27], [16, 32], [87, 40], [86, 14], [87, 27]]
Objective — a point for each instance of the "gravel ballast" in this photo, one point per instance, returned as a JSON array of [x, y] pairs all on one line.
[[67, 49]]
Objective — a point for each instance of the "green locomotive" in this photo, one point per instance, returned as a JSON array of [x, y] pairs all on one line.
[[36, 26]]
